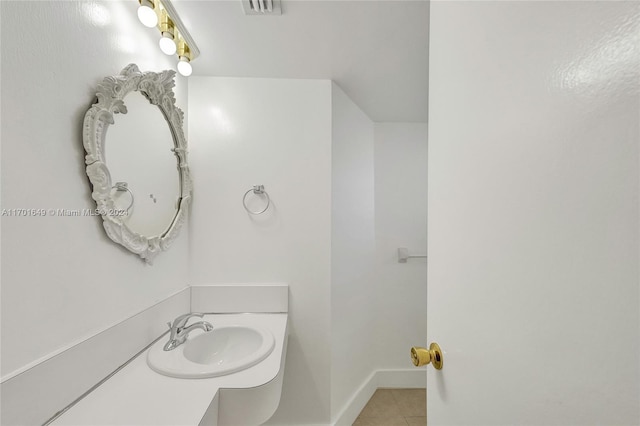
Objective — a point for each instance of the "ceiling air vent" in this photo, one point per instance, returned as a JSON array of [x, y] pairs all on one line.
[[262, 7]]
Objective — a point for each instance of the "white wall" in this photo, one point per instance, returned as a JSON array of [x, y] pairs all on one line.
[[276, 133], [533, 212], [353, 296], [63, 279], [401, 221]]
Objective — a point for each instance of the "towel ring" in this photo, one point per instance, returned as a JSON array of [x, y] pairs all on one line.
[[258, 190], [124, 186]]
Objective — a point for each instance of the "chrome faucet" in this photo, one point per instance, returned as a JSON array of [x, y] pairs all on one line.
[[179, 332]]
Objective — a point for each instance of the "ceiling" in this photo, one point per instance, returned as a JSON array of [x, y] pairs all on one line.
[[376, 51]]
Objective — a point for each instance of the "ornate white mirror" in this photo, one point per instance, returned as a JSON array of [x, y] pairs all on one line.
[[143, 191]]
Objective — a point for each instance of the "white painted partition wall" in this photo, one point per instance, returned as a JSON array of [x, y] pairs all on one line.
[[276, 133], [313, 149], [353, 295], [401, 221], [533, 213]]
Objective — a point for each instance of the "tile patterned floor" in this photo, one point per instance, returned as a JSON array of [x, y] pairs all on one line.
[[395, 407]]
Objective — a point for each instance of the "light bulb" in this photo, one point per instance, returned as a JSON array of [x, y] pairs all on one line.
[[147, 15], [184, 67], [167, 45]]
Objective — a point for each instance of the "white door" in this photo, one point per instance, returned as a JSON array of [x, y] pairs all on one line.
[[533, 273]]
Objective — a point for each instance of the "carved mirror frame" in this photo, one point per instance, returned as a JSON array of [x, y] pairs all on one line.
[[158, 89]]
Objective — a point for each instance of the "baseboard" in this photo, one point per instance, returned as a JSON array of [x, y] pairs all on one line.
[[357, 401], [415, 378], [399, 378]]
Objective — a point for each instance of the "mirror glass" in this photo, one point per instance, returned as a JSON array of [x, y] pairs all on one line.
[[138, 152]]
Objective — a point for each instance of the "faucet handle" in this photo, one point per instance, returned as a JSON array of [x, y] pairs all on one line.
[[182, 319]]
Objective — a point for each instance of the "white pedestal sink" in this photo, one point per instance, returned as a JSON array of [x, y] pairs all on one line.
[[224, 350]]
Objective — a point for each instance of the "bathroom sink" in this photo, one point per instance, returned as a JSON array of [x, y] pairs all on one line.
[[224, 350]]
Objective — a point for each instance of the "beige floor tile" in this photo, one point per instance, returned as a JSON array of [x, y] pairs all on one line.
[[411, 402], [383, 396], [381, 404], [395, 407], [380, 421]]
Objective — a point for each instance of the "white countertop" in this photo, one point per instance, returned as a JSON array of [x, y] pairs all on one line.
[[136, 395]]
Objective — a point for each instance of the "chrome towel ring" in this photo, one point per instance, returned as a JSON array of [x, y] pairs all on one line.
[[124, 186], [257, 190]]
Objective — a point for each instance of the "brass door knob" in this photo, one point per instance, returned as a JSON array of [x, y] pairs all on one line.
[[424, 356]]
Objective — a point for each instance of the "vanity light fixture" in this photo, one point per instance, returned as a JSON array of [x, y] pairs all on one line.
[[167, 41], [147, 14], [184, 62], [174, 36]]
